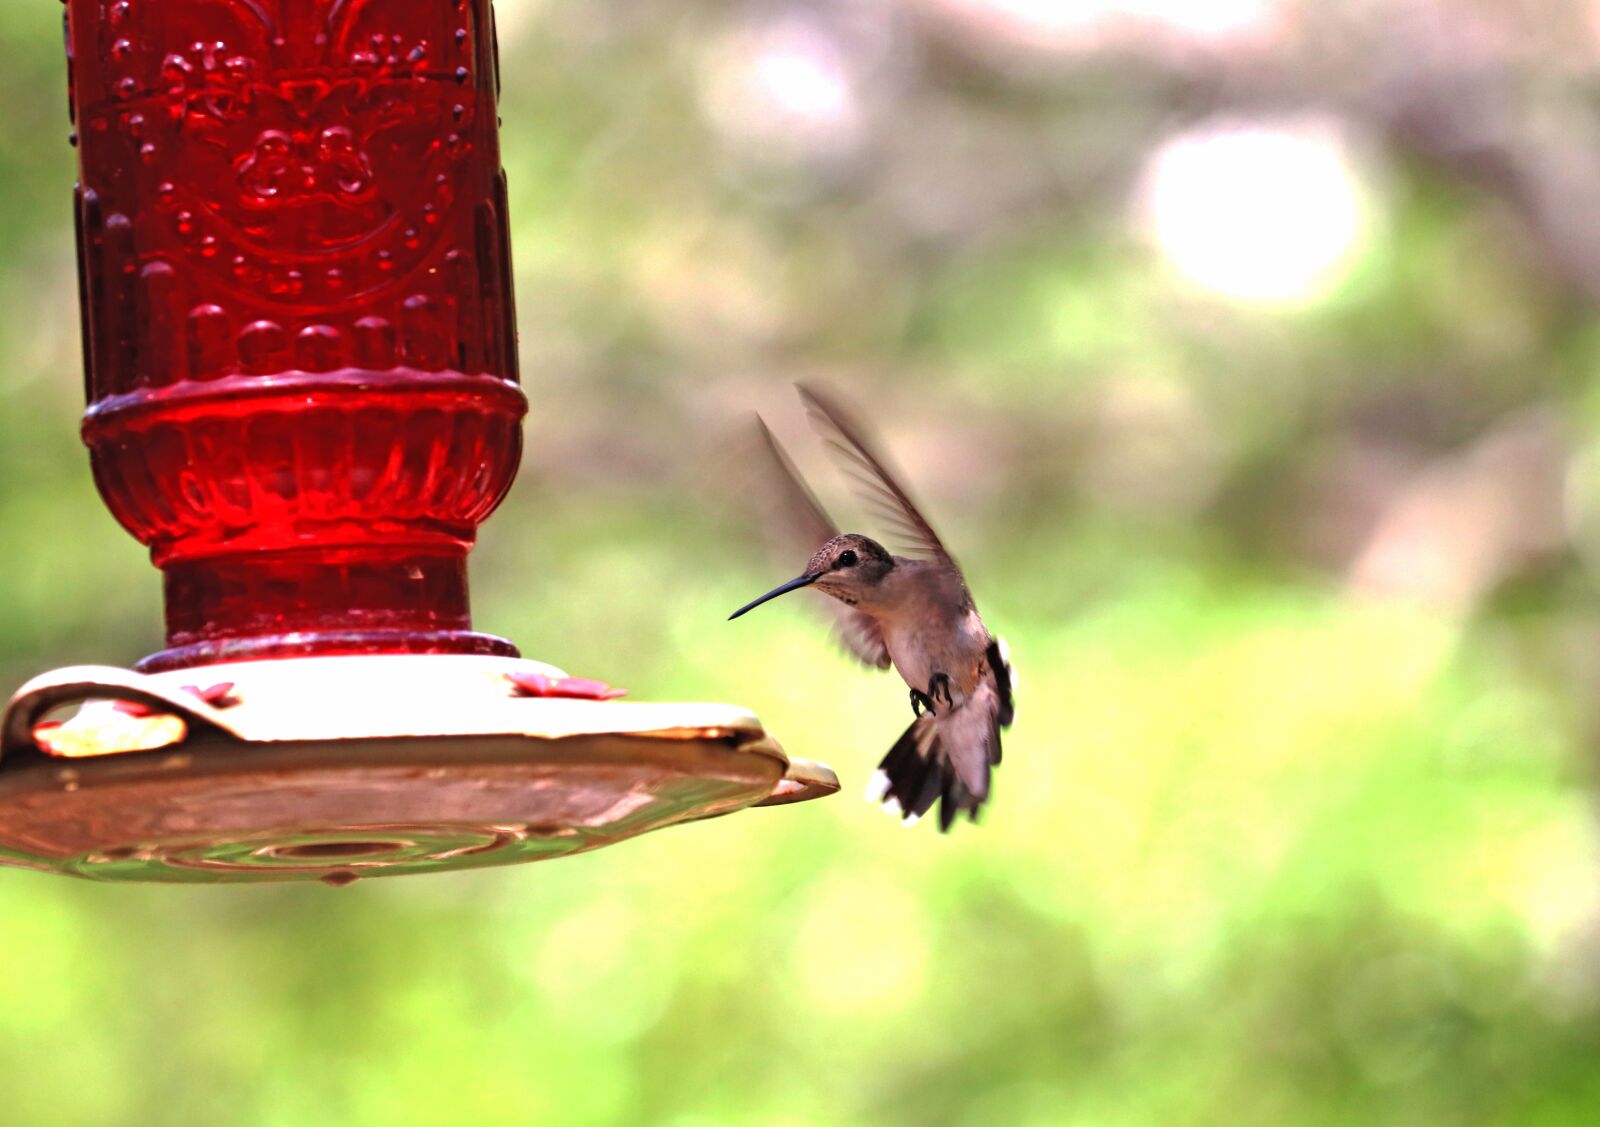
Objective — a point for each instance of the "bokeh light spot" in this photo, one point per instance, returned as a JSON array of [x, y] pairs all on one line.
[[1263, 212], [1093, 24], [783, 92]]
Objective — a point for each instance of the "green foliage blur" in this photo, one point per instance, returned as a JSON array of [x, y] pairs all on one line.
[[1296, 824]]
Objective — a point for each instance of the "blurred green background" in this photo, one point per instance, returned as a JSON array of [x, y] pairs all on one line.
[[1245, 353]]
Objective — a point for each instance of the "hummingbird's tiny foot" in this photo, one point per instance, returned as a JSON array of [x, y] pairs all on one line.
[[939, 684], [920, 702]]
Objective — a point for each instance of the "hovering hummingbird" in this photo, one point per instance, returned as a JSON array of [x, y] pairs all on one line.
[[913, 612]]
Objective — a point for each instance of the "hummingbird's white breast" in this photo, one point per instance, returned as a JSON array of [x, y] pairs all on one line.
[[930, 626]]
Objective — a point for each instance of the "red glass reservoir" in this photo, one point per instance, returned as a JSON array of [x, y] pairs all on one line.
[[299, 336]]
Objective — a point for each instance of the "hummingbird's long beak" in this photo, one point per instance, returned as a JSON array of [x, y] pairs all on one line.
[[802, 581]]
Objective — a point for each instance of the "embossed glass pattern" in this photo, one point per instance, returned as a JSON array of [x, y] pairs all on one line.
[[299, 336]]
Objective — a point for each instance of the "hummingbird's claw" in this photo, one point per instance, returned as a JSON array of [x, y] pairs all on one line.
[[929, 701]]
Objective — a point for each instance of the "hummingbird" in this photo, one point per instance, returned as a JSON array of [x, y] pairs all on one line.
[[913, 612]]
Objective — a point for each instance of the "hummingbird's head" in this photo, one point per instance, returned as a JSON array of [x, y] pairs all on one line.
[[848, 567]]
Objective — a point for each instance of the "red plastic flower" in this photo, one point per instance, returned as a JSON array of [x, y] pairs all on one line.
[[578, 688], [219, 695]]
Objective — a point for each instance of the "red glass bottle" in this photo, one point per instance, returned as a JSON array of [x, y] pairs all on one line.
[[299, 337]]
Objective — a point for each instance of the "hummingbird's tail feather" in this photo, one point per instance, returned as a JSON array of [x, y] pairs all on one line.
[[957, 799], [968, 743], [912, 774], [918, 772]]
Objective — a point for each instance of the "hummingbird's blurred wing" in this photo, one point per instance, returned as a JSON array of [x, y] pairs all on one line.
[[876, 486], [804, 517], [806, 520]]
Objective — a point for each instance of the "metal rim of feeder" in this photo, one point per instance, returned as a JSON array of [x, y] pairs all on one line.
[[339, 768]]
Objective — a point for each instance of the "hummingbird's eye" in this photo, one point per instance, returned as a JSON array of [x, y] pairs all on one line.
[[847, 558]]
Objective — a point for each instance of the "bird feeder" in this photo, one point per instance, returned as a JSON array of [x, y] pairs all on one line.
[[300, 356]]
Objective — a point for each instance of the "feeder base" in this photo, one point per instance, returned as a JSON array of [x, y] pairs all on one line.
[[335, 769]]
